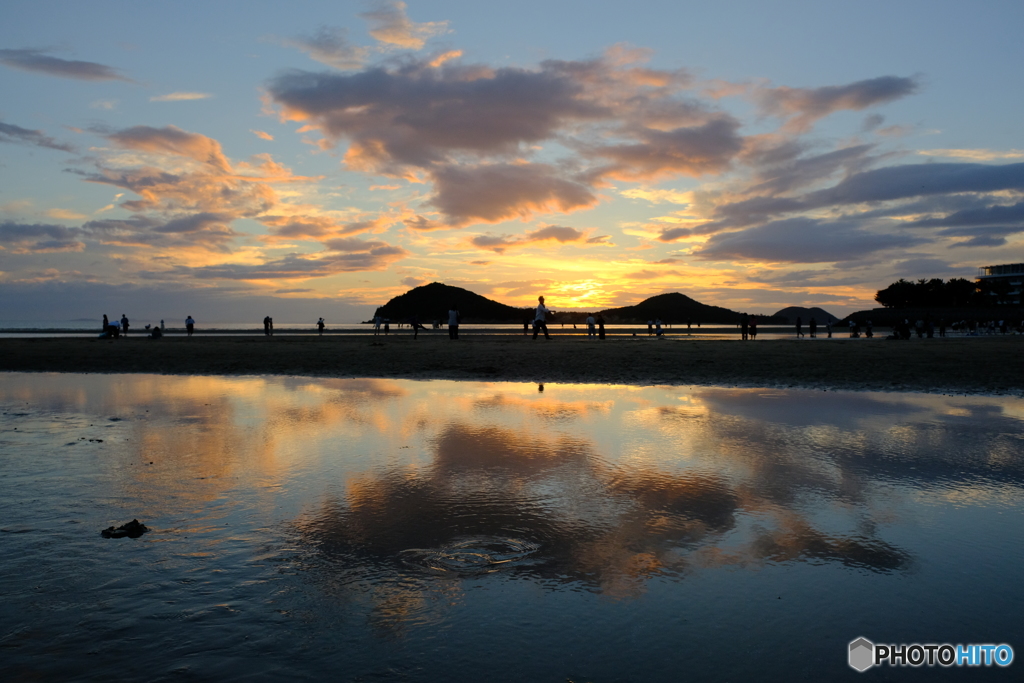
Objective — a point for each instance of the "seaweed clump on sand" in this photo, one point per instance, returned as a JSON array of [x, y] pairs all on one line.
[[132, 529]]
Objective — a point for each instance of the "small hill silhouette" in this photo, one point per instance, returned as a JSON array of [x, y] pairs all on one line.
[[433, 301], [791, 312], [672, 308]]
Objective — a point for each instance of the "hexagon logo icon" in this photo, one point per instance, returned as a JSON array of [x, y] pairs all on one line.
[[862, 654]]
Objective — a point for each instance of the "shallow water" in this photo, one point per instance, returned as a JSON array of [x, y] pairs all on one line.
[[363, 530]]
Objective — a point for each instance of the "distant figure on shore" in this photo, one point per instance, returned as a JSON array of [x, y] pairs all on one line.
[[657, 327], [376, 325], [268, 326], [600, 326], [124, 324], [812, 327], [869, 330], [454, 318], [162, 325], [106, 323], [688, 323], [540, 319], [320, 326], [591, 323], [753, 329], [828, 327], [799, 327], [744, 326], [942, 327], [387, 325], [156, 333], [650, 327], [526, 326], [190, 325]]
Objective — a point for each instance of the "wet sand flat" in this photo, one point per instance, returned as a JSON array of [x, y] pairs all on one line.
[[967, 365]]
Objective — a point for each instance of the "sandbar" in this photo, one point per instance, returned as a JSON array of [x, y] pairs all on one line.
[[975, 365]]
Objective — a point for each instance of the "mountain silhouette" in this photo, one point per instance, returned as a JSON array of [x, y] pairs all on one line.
[[790, 314], [433, 301]]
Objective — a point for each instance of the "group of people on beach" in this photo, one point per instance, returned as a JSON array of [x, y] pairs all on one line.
[[114, 330]]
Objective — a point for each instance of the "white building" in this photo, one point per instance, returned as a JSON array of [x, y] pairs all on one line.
[[1011, 273]]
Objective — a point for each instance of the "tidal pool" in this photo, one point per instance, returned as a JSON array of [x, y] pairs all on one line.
[[384, 530]]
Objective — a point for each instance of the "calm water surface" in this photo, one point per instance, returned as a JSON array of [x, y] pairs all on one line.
[[381, 530]]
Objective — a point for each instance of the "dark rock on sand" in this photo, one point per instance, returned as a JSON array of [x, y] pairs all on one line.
[[132, 529]]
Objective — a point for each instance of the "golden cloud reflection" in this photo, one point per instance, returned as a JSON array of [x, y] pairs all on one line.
[[604, 488]]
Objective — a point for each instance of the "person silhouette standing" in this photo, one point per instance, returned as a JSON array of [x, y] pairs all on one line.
[[600, 326], [124, 324], [320, 326], [190, 325], [454, 318], [540, 319], [813, 327], [799, 327]]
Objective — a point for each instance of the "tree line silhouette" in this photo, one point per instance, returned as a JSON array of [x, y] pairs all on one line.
[[937, 293]]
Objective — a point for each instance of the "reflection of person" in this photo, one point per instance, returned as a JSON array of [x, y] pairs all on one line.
[[453, 322], [540, 319], [320, 326], [190, 325]]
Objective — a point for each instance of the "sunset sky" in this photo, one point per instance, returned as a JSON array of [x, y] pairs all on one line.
[[231, 160]]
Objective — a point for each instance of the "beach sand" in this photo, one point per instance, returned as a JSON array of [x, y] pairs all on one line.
[[986, 365]]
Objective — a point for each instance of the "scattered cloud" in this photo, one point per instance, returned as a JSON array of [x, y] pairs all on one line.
[[551, 233], [389, 24], [262, 134], [23, 238], [803, 240], [180, 97], [973, 154], [497, 192], [801, 108], [37, 61], [331, 46], [17, 135], [172, 140]]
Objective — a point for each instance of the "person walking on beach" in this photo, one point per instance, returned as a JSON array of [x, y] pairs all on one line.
[[540, 319], [600, 326], [799, 327], [320, 326], [124, 324], [744, 326], [414, 322], [454, 318], [813, 327], [590, 325], [753, 329], [190, 325]]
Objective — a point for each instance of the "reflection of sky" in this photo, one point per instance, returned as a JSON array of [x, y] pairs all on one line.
[[404, 507]]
